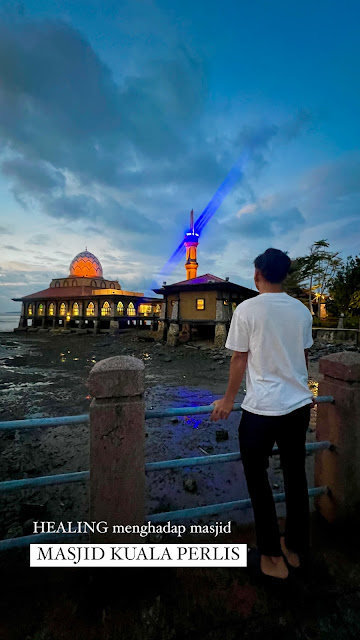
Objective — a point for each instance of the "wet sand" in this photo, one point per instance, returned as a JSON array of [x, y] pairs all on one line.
[[45, 376]]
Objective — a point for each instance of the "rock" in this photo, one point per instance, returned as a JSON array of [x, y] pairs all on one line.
[[15, 531], [28, 526], [221, 435], [276, 486], [174, 420], [167, 359], [190, 485]]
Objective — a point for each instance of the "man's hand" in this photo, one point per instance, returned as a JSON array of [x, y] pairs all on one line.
[[222, 410]]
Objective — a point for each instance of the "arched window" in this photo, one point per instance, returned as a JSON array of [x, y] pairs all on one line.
[[105, 309], [66, 283], [93, 283], [76, 309], [51, 309], [131, 309], [120, 308], [112, 285], [158, 308], [57, 283], [145, 309], [62, 309], [74, 283], [30, 310], [103, 285], [90, 309], [41, 309]]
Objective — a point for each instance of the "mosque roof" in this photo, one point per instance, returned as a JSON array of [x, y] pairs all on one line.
[[208, 277], [207, 281], [59, 292]]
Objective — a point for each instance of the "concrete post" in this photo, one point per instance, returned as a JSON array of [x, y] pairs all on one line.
[[33, 322], [340, 424], [160, 333], [114, 325], [117, 435], [220, 335], [173, 335]]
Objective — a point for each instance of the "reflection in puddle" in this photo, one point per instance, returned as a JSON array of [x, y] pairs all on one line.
[[314, 387], [193, 421], [23, 385]]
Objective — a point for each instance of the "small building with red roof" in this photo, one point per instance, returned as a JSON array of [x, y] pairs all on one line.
[[200, 307]]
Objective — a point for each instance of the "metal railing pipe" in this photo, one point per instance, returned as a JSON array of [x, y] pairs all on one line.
[[31, 423], [196, 461], [44, 481]]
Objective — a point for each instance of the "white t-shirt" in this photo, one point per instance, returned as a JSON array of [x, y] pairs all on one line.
[[274, 329]]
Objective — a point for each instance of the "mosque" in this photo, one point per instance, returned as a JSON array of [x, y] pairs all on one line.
[[85, 301]]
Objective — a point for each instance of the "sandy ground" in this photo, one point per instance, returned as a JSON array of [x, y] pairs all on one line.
[[43, 376]]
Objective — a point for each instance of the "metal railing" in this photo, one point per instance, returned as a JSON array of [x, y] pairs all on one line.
[[80, 476]]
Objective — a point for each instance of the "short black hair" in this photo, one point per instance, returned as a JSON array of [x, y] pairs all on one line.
[[273, 264]]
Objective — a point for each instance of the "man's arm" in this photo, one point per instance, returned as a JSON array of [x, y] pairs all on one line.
[[224, 406]]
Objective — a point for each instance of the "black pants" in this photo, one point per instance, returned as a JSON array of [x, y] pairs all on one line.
[[257, 436]]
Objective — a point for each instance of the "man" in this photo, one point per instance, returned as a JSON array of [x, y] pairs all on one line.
[[270, 335]]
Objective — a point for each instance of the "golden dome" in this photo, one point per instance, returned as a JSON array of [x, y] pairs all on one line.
[[86, 265]]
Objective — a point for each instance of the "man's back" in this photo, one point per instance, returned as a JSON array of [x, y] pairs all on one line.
[[274, 329]]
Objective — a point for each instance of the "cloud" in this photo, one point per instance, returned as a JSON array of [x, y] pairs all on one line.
[[39, 239], [10, 247], [5, 230]]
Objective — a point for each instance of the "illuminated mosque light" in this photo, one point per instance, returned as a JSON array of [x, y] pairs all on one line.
[[224, 189]]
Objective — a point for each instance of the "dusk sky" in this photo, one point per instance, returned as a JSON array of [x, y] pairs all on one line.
[[117, 118]]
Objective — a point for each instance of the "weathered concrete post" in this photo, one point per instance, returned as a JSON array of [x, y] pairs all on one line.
[[174, 328], [220, 326], [117, 465], [340, 424]]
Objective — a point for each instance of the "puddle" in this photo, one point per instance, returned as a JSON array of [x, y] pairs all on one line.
[[11, 386]]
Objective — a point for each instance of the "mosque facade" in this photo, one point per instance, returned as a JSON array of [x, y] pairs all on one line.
[[84, 301]]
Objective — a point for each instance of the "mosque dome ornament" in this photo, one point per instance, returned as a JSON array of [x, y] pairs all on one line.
[[86, 265]]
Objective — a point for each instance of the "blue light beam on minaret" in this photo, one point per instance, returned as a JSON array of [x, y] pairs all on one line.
[[226, 186]]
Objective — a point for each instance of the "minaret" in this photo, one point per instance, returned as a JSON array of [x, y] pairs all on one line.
[[191, 242]]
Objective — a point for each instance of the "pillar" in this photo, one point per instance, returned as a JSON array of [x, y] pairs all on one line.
[[117, 435], [173, 334], [159, 335], [220, 334], [114, 325], [340, 424], [185, 333], [33, 317]]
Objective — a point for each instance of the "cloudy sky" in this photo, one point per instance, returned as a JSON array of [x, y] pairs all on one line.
[[118, 117]]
